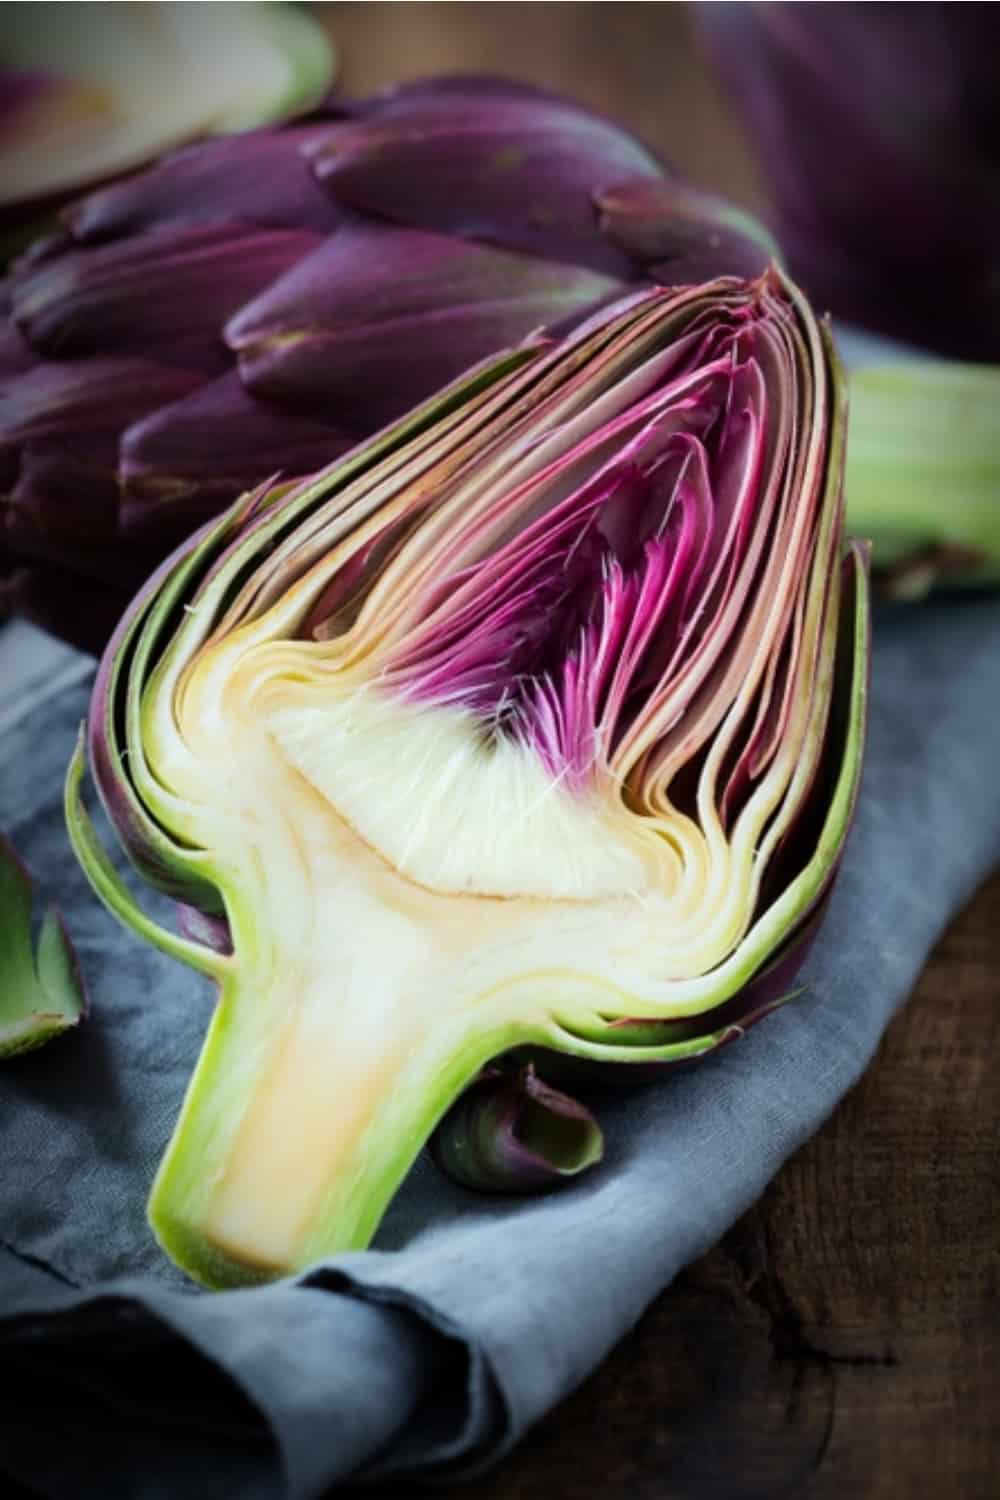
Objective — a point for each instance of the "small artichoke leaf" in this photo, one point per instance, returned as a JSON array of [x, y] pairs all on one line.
[[42, 993], [512, 1132]]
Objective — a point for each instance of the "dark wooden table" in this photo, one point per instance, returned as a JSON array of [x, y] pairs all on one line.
[[844, 1339]]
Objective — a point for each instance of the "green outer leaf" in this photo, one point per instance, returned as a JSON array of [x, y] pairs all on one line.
[[165, 863], [112, 890], [41, 994]]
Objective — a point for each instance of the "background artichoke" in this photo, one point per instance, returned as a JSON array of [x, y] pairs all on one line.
[[260, 303], [878, 131], [89, 91]]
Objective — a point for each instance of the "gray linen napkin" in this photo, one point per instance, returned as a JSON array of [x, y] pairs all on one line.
[[431, 1353]]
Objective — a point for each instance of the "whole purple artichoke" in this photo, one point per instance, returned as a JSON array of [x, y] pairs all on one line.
[[258, 304], [878, 131]]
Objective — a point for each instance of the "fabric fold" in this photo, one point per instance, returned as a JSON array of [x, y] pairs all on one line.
[[432, 1353]]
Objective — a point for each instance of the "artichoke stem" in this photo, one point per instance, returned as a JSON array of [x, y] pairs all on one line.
[[298, 1127]]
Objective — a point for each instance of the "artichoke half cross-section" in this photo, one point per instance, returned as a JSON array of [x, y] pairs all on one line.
[[535, 722]]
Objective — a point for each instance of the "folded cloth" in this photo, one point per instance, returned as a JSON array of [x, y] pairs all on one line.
[[430, 1354]]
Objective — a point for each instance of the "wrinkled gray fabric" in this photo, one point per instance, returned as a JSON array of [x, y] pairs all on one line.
[[431, 1353]]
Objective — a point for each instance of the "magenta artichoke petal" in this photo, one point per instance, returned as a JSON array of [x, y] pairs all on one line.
[[202, 451], [166, 292], [261, 179], [582, 627], [511, 1132], [681, 234], [79, 396], [329, 337], [519, 172]]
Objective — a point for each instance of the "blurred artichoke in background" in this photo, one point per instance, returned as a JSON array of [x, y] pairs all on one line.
[[89, 91], [259, 304], [877, 128], [878, 131]]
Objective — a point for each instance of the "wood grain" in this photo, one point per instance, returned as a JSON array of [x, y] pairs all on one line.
[[844, 1339]]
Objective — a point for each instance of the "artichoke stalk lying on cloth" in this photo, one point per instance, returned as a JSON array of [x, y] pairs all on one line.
[[535, 722]]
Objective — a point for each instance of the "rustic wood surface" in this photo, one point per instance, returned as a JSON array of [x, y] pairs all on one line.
[[844, 1339]]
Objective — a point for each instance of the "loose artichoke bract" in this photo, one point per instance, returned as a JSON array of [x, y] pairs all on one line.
[[41, 990], [264, 302], [511, 1132], [534, 723]]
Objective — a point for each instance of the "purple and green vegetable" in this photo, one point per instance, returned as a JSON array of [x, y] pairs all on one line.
[[877, 130], [532, 724], [260, 303], [511, 1132]]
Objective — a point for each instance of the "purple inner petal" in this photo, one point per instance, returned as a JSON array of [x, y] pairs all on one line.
[[620, 562]]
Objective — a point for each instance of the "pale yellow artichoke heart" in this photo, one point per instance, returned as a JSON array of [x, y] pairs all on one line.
[[472, 836]]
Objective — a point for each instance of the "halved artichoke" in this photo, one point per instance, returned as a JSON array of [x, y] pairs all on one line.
[[535, 722]]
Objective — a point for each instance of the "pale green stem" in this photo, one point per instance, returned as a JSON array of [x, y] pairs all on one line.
[[300, 1123]]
